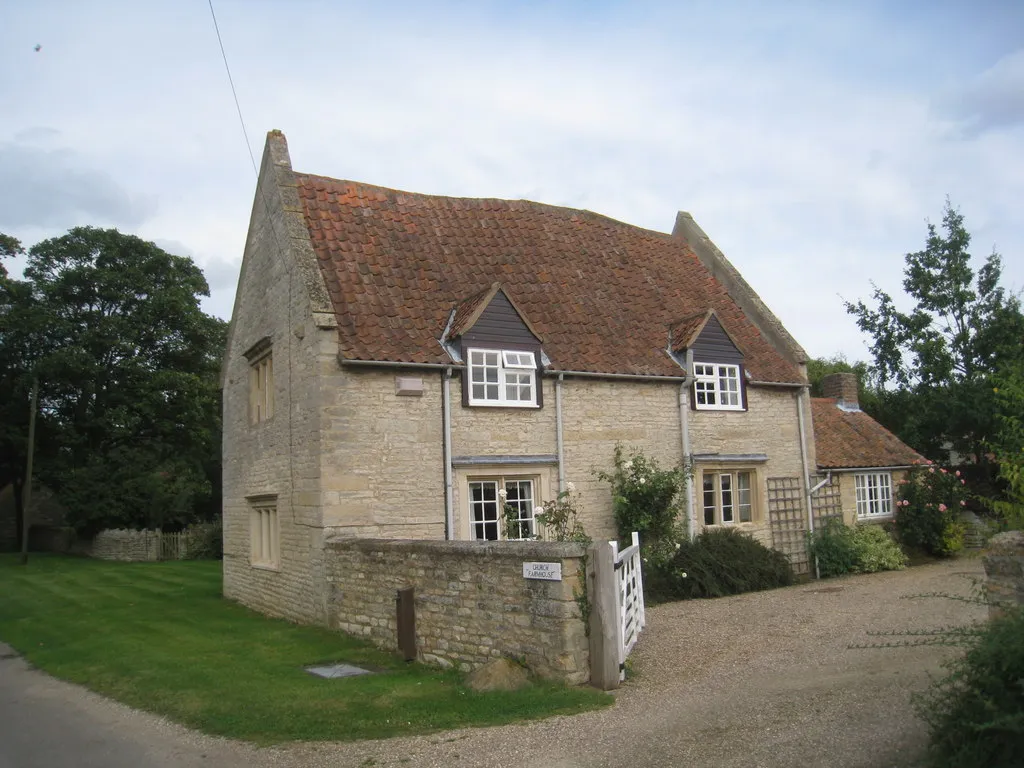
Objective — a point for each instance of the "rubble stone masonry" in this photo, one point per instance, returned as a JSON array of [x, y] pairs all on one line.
[[472, 601]]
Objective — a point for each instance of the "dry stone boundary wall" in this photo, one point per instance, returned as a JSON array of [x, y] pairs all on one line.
[[472, 602]]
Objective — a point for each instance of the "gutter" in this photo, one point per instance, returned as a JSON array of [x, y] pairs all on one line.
[[872, 468], [560, 374], [397, 364]]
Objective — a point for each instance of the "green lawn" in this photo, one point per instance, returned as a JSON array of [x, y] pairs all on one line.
[[160, 637]]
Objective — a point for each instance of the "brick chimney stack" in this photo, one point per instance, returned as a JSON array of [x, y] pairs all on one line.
[[843, 387]]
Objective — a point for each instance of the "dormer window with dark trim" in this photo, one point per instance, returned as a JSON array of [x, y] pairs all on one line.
[[717, 362], [500, 349], [717, 387], [502, 377]]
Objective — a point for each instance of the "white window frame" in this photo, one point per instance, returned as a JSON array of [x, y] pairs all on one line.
[[525, 505], [725, 497], [874, 495], [720, 386], [264, 535], [511, 368], [261, 388]]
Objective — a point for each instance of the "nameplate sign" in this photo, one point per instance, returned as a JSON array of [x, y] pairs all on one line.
[[543, 571]]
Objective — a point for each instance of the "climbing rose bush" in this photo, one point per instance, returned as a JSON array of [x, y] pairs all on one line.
[[649, 500], [928, 505]]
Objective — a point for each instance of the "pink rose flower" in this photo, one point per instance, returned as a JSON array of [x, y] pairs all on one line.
[[942, 507], [957, 473], [963, 503]]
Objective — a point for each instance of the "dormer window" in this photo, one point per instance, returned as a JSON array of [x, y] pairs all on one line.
[[502, 377], [717, 387]]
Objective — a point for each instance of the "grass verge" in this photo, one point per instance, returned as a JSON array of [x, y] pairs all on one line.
[[159, 637]]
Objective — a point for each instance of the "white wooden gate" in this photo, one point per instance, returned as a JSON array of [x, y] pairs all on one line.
[[629, 598]]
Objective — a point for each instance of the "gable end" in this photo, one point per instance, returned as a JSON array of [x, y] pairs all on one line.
[[500, 325], [713, 345]]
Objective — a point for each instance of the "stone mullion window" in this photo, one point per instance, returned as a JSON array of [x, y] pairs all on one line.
[[727, 497], [487, 498], [264, 534]]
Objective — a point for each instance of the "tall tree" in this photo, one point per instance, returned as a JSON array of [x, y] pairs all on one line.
[[935, 361], [127, 365], [15, 312]]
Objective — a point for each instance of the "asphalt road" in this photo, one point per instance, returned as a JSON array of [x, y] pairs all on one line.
[[765, 679]]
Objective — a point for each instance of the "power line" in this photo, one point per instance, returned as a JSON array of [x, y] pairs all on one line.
[[234, 93]]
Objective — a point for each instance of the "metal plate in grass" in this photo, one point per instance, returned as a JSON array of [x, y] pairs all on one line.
[[338, 670]]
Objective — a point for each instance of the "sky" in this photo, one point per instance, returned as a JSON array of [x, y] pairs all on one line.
[[812, 141]]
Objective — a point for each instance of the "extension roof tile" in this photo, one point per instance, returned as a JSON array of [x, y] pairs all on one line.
[[852, 439], [600, 293]]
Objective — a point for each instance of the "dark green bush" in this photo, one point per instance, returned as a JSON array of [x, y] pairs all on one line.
[[976, 712], [841, 549], [206, 541], [716, 563]]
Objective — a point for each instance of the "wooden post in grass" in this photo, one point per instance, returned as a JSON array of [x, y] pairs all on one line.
[[26, 497]]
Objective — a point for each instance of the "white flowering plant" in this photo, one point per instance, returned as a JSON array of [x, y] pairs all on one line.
[[560, 516], [649, 500]]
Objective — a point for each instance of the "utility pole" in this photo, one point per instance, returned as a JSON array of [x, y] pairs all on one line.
[[26, 498]]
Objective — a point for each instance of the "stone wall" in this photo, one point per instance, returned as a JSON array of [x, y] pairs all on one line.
[[471, 599], [120, 543], [1004, 571], [276, 461], [130, 546]]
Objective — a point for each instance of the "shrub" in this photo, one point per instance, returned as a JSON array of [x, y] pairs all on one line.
[[843, 549], [649, 500], [976, 712], [206, 541], [719, 562], [928, 510]]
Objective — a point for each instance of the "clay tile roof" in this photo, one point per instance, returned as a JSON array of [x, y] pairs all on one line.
[[469, 310], [684, 332], [852, 439], [600, 294]]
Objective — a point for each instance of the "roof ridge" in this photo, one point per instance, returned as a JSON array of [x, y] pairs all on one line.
[[666, 236]]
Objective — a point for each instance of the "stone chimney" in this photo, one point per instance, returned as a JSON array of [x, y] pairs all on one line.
[[843, 387]]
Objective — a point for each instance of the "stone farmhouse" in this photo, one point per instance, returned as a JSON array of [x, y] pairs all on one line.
[[397, 362]]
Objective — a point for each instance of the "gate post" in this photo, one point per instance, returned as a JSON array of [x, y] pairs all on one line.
[[604, 620]]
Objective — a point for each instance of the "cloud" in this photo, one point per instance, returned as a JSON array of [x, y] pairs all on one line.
[[48, 189], [992, 100]]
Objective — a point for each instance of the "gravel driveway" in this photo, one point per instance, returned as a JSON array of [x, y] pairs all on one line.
[[764, 679]]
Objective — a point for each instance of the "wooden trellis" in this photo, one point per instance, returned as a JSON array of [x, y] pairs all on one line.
[[826, 501], [789, 521]]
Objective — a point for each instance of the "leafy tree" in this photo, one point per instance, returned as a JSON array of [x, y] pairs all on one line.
[[1008, 445], [14, 385], [127, 367], [935, 361]]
